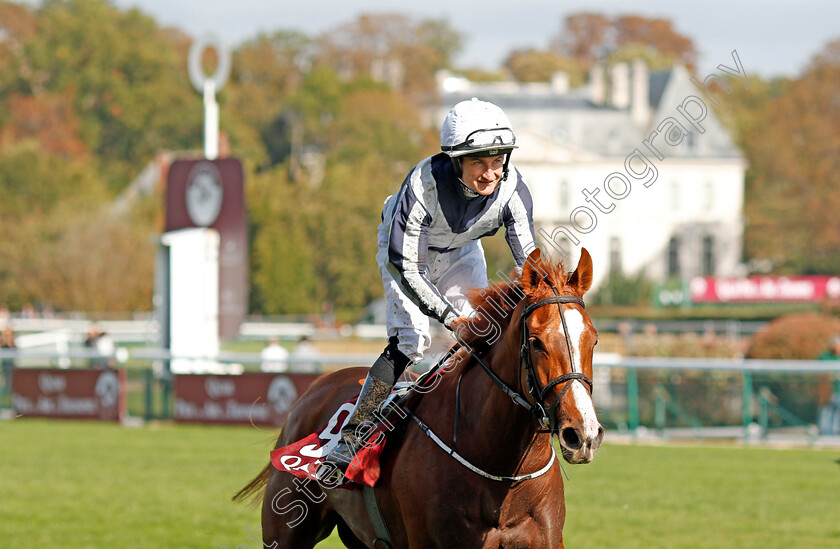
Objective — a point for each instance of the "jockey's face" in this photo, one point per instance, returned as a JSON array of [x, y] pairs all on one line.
[[482, 173]]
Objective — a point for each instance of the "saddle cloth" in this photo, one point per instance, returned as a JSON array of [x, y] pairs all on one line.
[[304, 457]]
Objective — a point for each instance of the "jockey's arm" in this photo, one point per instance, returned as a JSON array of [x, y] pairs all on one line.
[[407, 250], [519, 221]]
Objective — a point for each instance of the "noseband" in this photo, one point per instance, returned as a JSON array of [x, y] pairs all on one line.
[[545, 415]]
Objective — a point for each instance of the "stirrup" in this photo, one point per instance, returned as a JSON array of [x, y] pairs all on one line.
[[344, 453], [329, 476]]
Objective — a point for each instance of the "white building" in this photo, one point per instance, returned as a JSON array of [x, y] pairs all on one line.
[[634, 166]]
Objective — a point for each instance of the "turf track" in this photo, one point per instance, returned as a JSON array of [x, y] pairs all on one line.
[[94, 485]]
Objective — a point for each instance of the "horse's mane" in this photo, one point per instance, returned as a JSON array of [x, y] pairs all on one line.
[[495, 303]]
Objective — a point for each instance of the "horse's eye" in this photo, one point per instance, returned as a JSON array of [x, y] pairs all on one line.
[[537, 345]]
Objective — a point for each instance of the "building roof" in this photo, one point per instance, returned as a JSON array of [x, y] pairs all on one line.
[[576, 116]]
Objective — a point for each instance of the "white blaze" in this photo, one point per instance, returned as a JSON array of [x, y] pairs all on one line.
[[583, 401]]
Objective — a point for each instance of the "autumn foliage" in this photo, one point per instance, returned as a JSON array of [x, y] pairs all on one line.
[[799, 336], [327, 126]]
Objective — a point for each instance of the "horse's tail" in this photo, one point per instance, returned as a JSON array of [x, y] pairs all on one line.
[[254, 488]]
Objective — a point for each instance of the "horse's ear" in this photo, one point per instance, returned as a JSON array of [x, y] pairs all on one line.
[[532, 271], [581, 279]]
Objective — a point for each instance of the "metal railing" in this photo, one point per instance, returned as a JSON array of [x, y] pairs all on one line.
[[668, 396]]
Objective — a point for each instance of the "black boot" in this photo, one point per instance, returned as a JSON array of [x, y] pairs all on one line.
[[374, 392], [378, 384]]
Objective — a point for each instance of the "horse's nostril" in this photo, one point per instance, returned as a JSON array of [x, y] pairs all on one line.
[[571, 438]]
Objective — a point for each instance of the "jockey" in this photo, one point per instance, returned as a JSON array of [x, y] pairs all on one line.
[[430, 252]]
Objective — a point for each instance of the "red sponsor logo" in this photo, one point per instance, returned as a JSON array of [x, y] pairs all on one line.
[[707, 289]]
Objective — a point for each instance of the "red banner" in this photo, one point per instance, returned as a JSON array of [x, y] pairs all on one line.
[[708, 289], [253, 397], [70, 394]]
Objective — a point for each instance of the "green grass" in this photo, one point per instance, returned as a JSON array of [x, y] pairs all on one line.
[[704, 497], [95, 485]]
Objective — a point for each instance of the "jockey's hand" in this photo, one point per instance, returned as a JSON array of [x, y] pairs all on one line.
[[456, 325]]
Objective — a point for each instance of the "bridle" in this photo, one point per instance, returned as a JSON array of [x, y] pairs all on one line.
[[545, 415]]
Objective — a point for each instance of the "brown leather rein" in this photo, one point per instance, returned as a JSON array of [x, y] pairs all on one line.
[[545, 415]]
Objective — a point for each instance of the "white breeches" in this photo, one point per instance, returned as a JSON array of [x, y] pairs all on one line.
[[453, 273]]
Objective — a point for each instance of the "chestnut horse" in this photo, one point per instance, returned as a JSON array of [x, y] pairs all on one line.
[[507, 490]]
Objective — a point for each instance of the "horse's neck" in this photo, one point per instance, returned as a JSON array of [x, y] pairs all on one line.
[[503, 431]]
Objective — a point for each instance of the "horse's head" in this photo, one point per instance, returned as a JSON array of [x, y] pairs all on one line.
[[558, 342]]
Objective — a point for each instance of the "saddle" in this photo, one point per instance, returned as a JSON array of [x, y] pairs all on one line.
[[304, 458]]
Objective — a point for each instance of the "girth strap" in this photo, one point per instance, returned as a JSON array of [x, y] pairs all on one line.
[[383, 536]]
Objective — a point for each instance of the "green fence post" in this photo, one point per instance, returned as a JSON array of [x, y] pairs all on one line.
[[148, 378], [660, 409], [5, 385], [632, 399], [166, 398], [747, 396], [764, 409]]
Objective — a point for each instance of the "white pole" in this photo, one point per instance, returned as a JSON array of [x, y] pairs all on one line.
[[211, 121]]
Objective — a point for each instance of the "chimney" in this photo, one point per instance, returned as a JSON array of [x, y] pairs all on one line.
[[640, 107], [560, 82], [620, 86], [597, 89]]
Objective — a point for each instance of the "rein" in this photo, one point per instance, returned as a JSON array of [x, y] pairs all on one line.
[[545, 415]]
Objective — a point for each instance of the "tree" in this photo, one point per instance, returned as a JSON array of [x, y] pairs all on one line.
[[794, 156], [392, 48], [593, 37], [584, 37], [59, 245], [284, 246], [318, 242], [372, 144], [84, 100], [657, 33], [538, 66], [266, 71], [654, 59], [126, 82]]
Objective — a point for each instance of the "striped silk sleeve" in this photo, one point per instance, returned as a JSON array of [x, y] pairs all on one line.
[[518, 217], [407, 250]]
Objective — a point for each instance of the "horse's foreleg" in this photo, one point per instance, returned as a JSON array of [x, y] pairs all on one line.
[[295, 513]]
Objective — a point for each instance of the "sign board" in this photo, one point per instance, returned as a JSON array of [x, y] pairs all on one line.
[[193, 304], [253, 397], [70, 394], [210, 194], [751, 289]]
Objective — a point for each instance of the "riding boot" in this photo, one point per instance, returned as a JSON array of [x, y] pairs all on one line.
[[378, 384]]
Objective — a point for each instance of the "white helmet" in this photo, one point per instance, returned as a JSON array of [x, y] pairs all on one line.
[[476, 128]]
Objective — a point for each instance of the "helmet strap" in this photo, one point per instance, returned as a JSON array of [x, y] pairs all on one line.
[[505, 168]]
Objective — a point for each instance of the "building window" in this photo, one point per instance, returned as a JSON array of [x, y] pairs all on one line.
[[615, 255], [674, 257], [708, 260]]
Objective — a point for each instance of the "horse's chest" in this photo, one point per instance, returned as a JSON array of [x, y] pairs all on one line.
[[502, 527], [526, 536]]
